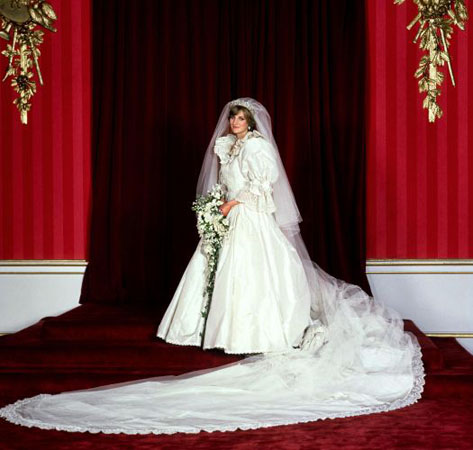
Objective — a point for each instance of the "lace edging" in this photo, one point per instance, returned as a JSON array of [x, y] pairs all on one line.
[[10, 413], [263, 203], [228, 147], [218, 347]]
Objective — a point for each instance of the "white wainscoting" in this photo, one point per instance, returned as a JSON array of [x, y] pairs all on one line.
[[436, 294], [31, 290]]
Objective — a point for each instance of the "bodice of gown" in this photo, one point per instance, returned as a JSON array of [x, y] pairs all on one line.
[[248, 170]]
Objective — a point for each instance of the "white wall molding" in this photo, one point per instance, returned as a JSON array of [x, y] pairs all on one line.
[[420, 262], [33, 289], [436, 294]]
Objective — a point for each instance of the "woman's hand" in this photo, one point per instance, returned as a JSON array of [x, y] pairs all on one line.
[[227, 206]]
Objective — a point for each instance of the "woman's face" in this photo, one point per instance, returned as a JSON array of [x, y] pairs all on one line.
[[239, 124]]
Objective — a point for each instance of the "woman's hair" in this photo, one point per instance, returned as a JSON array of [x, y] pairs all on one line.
[[234, 110]]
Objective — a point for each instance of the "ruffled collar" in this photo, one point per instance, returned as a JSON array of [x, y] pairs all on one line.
[[228, 147]]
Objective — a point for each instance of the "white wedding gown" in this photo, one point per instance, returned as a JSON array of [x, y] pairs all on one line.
[[261, 298], [346, 355]]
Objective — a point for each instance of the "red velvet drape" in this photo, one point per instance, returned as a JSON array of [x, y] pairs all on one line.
[[163, 71]]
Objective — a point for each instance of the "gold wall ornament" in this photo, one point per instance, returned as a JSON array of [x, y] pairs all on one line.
[[19, 19], [435, 18]]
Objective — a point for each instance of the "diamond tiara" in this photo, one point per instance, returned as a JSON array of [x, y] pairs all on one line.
[[244, 103]]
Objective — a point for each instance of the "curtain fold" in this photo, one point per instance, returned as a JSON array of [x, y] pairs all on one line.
[[162, 71]]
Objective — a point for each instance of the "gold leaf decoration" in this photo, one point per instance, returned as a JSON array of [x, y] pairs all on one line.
[[436, 19], [19, 22]]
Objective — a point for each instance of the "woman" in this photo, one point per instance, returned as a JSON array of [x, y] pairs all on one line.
[[325, 348]]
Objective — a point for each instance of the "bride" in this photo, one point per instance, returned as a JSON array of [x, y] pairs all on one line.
[[322, 348], [261, 297]]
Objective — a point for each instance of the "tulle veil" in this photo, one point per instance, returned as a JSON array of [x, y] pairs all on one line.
[[355, 357]]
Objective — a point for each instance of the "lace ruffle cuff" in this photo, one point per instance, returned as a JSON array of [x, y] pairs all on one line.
[[258, 197]]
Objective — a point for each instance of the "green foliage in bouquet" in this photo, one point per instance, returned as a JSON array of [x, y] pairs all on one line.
[[212, 226]]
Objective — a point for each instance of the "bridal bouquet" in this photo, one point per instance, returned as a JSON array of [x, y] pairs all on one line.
[[212, 226]]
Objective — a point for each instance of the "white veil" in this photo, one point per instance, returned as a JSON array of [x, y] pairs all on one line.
[[354, 359]]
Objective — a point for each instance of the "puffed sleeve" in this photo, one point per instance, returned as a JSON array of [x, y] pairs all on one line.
[[260, 169]]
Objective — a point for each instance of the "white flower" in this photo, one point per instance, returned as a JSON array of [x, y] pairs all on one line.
[[213, 228], [219, 227]]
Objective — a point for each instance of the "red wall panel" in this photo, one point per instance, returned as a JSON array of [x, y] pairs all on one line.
[[420, 175], [45, 166]]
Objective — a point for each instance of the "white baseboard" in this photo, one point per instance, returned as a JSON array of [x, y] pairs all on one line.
[[436, 294], [33, 289]]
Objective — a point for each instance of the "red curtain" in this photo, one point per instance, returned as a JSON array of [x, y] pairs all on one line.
[[162, 73]]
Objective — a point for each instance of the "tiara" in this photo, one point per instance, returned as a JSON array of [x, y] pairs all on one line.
[[244, 103]]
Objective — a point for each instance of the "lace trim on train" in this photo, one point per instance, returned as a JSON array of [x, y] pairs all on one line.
[[10, 413]]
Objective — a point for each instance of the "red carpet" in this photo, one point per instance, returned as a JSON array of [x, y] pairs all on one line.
[[95, 345]]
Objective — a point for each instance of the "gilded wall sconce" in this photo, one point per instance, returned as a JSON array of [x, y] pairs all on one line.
[[19, 21], [436, 19]]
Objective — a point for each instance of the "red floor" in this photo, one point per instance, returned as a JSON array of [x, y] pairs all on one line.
[[94, 345]]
